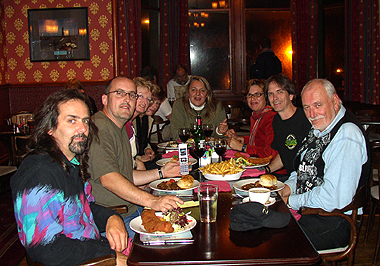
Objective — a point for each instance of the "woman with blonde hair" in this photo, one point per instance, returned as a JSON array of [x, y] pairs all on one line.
[[198, 100]]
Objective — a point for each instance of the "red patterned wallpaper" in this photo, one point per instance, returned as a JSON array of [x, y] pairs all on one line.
[[19, 69]]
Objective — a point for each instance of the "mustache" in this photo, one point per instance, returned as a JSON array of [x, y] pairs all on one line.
[[316, 118], [80, 135]]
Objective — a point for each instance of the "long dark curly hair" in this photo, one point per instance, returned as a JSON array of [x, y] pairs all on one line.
[[46, 119]]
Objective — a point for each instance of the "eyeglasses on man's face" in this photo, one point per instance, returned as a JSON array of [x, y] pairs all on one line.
[[122, 93], [142, 97], [255, 95]]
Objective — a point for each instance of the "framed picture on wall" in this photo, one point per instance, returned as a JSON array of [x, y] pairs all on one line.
[[57, 34]]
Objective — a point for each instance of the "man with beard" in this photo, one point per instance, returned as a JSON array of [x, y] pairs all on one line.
[[113, 179], [334, 162], [177, 85], [57, 219]]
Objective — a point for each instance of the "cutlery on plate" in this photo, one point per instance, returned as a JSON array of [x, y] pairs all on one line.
[[169, 242]]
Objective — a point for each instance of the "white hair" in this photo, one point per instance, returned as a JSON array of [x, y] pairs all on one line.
[[329, 87]]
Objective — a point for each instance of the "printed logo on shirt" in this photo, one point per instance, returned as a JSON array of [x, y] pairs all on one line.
[[291, 142]]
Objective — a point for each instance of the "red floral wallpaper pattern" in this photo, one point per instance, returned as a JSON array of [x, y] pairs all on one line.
[[15, 43]]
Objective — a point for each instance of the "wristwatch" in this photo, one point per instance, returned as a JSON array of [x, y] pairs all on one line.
[[160, 173], [244, 147]]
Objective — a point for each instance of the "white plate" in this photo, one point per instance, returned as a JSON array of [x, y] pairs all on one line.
[[136, 225], [225, 177], [164, 145], [255, 166], [237, 186], [153, 185], [271, 201], [164, 161]]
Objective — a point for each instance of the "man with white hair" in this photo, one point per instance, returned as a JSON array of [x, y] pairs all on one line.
[[334, 163]]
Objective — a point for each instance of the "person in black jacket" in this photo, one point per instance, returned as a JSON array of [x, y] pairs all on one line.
[[267, 63], [57, 219]]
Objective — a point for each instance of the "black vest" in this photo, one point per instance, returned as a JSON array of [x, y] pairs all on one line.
[[311, 168]]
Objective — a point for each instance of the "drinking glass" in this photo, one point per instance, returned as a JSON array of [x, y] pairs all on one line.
[[184, 134], [220, 146], [208, 129], [208, 202]]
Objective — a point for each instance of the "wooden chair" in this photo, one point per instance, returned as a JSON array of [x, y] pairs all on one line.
[[158, 121], [374, 200], [335, 255], [107, 260]]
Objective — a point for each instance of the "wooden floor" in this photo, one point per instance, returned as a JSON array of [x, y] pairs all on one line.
[[364, 251]]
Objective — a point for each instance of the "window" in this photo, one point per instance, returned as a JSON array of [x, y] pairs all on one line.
[[224, 40], [274, 25], [209, 47], [150, 32]]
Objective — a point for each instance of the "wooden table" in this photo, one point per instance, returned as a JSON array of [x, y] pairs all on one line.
[[215, 244]]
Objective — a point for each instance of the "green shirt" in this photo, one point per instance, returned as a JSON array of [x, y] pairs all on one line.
[[183, 118], [111, 154]]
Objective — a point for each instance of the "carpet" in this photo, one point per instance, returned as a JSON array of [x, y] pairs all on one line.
[[11, 250]]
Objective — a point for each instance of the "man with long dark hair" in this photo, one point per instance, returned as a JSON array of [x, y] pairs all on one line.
[[58, 220]]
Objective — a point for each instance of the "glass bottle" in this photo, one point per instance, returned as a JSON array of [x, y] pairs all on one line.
[[199, 134]]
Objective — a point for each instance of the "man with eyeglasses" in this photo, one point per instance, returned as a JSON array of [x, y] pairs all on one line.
[[290, 125], [114, 181]]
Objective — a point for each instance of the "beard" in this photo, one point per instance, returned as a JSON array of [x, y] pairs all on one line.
[[79, 146]]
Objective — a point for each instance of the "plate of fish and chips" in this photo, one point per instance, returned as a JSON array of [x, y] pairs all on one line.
[[158, 223]]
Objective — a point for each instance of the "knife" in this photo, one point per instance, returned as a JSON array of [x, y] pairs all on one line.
[[169, 242]]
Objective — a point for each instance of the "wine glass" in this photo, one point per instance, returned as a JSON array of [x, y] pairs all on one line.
[[208, 129], [184, 134], [220, 148]]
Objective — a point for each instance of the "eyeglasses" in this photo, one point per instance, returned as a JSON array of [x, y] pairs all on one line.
[[121, 94], [256, 95], [149, 100]]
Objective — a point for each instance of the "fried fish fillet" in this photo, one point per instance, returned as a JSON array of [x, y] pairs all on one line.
[[254, 160], [152, 223]]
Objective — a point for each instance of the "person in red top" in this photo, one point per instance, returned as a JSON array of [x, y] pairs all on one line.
[[258, 143]]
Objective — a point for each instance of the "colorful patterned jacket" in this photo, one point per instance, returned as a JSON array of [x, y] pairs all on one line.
[[58, 221]]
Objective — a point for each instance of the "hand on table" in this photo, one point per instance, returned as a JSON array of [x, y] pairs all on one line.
[[171, 169], [231, 134], [235, 144], [165, 203], [148, 156], [116, 233], [140, 164], [285, 193]]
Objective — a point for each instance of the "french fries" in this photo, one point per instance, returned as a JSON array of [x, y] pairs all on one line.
[[223, 168]]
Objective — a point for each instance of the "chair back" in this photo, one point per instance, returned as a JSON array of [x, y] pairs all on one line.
[[159, 122], [359, 200], [21, 118]]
